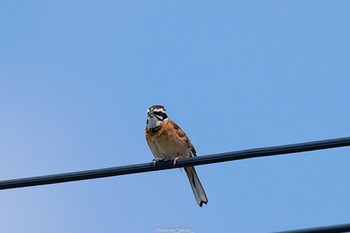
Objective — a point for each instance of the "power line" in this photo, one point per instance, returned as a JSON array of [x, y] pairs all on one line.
[[325, 229], [201, 160]]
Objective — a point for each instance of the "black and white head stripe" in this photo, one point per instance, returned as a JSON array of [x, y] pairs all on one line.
[[158, 111]]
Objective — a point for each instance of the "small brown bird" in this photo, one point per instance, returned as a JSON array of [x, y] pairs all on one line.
[[168, 141]]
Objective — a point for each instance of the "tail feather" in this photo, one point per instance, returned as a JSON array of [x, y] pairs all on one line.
[[196, 186]]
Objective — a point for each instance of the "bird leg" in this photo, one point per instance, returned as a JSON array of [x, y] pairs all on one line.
[[156, 161], [175, 160]]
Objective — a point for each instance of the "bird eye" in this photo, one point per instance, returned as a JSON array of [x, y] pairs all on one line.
[[161, 115]]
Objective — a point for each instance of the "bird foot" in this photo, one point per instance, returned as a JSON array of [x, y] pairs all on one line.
[[156, 161], [175, 160]]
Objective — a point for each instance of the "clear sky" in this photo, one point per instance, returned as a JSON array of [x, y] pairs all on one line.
[[76, 79]]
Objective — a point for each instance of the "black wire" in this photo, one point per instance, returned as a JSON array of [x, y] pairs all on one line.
[[201, 160], [325, 229]]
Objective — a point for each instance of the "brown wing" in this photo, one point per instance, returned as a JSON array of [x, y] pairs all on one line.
[[182, 135]]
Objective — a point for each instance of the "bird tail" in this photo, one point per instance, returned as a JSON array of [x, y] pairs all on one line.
[[196, 186]]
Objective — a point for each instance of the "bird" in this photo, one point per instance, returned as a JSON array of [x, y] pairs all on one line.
[[168, 141]]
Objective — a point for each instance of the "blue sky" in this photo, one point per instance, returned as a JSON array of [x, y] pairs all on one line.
[[76, 79]]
